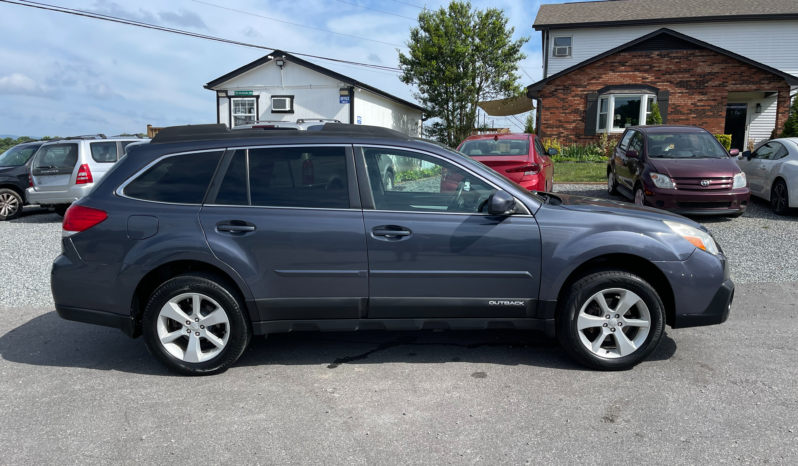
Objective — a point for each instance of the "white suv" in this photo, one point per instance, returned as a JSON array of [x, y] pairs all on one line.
[[65, 170]]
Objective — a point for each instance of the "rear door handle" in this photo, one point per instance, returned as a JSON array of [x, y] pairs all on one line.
[[235, 227], [391, 232]]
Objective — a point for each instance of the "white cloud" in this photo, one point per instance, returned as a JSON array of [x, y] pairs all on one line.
[[20, 84]]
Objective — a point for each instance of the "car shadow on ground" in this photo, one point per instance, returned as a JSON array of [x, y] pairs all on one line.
[[47, 340], [36, 214]]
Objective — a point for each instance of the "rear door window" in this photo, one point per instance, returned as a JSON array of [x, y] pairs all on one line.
[[625, 140], [103, 152], [637, 142], [57, 156], [179, 179], [310, 177]]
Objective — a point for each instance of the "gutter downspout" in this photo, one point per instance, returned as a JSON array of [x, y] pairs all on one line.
[[351, 105]]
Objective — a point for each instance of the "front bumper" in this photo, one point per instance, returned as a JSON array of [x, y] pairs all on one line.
[[696, 202], [67, 196], [716, 312]]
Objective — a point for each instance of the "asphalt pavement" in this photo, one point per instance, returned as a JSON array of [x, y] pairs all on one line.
[[78, 394]]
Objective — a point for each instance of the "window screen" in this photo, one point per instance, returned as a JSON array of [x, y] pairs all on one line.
[[181, 179], [103, 152], [299, 177]]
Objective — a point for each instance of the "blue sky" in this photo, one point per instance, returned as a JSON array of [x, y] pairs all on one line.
[[66, 75]]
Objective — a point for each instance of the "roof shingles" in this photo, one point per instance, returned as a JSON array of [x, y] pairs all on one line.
[[619, 11]]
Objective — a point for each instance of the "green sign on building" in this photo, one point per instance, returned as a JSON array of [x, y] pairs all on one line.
[[243, 93]]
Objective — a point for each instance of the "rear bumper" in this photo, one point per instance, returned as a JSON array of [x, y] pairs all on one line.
[[67, 196], [691, 202], [105, 319]]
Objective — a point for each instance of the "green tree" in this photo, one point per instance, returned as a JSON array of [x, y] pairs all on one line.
[[791, 125], [655, 118], [529, 123], [460, 56]]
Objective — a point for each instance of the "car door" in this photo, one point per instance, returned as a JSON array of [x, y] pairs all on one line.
[[436, 254], [631, 166], [288, 220], [621, 172], [757, 168], [546, 165], [773, 168]]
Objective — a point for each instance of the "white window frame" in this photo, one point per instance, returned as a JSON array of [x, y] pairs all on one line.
[[644, 98], [233, 115], [570, 47]]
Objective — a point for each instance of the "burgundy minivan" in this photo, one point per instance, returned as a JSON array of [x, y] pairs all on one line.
[[683, 169]]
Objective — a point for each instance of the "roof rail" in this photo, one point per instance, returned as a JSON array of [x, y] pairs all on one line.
[[320, 120], [218, 132], [88, 136]]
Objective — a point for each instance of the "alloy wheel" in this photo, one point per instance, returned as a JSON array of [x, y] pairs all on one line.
[[640, 197], [193, 328], [9, 204], [613, 323], [779, 199]]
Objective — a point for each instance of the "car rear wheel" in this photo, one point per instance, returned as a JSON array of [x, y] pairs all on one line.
[[640, 196], [194, 324], [780, 198], [611, 320], [389, 181], [10, 204], [612, 185]]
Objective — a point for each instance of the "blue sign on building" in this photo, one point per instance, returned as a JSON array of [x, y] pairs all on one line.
[[343, 99], [359, 121]]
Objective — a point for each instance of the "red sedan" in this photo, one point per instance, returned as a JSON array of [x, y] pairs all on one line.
[[520, 157]]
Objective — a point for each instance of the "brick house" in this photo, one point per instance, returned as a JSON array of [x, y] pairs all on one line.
[[729, 69]]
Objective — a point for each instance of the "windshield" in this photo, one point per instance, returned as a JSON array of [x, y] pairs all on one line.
[[685, 146], [495, 147], [18, 155]]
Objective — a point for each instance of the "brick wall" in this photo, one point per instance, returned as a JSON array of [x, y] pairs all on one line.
[[698, 81]]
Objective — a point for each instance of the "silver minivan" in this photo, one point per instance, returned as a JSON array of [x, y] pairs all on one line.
[[65, 170]]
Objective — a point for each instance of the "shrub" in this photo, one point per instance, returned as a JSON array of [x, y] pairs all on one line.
[[413, 175], [608, 144], [552, 144], [791, 125], [529, 124], [655, 118], [724, 139], [581, 153]]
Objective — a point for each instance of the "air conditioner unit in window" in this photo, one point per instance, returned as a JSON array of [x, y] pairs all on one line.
[[561, 51], [281, 104]]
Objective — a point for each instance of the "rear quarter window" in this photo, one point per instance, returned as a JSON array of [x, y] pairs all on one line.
[[103, 152], [179, 179]]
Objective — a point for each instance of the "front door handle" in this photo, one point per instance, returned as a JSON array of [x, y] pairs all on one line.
[[235, 226], [391, 232], [761, 167]]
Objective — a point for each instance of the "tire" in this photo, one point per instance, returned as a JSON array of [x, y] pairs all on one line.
[[612, 183], [10, 204], [389, 181], [61, 209], [190, 354], [580, 307], [780, 198], [640, 196]]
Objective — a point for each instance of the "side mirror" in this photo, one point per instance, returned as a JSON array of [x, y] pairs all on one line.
[[747, 155], [734, 152], [501, 203], [552, 151], [632, 154]]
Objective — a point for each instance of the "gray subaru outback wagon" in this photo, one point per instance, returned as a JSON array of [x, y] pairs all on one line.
[[206, 237]]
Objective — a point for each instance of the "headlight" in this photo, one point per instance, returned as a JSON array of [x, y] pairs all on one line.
[[739, 180], [661, 181], [695, 236]]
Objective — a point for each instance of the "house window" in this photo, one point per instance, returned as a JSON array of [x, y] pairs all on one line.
[[282, 104], [243, 112], [561, 47], [616, 112]]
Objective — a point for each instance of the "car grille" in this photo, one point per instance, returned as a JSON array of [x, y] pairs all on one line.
[[703, 205], [695, 183]]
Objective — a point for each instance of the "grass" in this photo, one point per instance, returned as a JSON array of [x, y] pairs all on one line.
[[580, 172]]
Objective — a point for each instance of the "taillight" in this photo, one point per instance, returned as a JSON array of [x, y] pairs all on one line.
[[308, 175], [529, 169], [30, 179], [79, 218], [84, 175]]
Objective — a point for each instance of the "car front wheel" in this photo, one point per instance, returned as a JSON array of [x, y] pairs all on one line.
[[640, 196], [611, 320], [612, 185], [195, 325]]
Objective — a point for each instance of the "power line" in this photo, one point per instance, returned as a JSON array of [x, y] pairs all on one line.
[[114, 19], [374, 9], [410, 4], [297, 24]]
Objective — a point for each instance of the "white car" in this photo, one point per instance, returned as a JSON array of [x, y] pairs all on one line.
[[65, 170], [772, 173]]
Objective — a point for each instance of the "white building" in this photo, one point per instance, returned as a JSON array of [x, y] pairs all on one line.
[[282, 87]]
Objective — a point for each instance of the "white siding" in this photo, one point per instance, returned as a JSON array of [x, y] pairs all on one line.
[[224, 111], [773, 43], [378, 111], [760, 125]]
